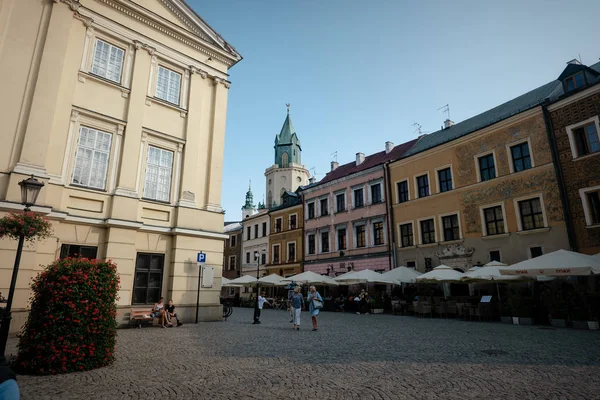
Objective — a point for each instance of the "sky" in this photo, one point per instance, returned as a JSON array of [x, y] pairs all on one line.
[[360, 73]]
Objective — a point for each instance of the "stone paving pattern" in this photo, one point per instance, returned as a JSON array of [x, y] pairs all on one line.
[[350, 357]]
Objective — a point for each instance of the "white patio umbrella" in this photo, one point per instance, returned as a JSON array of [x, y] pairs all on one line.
[[495, 264], [245, 280], [443, 273], [310, 277], [226, 282], [272, 280], [402, 275], [557, 263], [364, 276]]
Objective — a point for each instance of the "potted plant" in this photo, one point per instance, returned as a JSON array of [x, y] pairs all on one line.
[[377, 305]]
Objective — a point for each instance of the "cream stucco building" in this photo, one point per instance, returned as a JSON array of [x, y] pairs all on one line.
[[119, 106]]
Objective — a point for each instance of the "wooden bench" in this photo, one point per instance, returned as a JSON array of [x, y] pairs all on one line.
[[140, 315]]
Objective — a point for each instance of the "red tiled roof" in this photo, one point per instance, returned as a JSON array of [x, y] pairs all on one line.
[[370, 161]]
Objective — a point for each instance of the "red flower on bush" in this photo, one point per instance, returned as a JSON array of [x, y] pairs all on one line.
[[62, 323]]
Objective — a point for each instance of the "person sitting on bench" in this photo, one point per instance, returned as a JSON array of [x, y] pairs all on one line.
[[170, 313], [158, 311]]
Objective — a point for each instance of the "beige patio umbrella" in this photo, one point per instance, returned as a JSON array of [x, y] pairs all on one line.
[[402, 275], [490, 273], [310, 277], [272, 280], [363, 276], [557, 263], [443, 273], [244, 280], [226, 282]]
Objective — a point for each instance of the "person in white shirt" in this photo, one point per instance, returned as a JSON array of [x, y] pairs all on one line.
[[261, 302]]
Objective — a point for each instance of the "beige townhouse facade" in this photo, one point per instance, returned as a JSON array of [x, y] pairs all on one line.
[[119, 107]]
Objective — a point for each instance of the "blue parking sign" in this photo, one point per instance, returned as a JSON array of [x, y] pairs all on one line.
[[201, 257]]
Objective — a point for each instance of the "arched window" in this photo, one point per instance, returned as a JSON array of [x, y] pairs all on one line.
[[270, 199], [284, 160]]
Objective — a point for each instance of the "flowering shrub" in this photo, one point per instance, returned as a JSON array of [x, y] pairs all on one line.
[[71, 325], [31, 225]]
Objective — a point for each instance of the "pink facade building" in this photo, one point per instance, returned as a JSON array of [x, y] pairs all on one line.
[[346, 216]]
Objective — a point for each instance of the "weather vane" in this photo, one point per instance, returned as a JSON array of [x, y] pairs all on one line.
[[288, 107]]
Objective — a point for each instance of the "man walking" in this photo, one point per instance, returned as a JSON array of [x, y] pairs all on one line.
[[261, 302]]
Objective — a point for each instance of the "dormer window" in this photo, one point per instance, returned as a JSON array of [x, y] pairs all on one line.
[[574, 82]]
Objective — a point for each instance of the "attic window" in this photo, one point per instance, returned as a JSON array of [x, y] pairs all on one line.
[[574, 82]]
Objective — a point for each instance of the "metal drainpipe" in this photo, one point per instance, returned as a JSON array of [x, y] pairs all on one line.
[[388, 202], [559, 177]]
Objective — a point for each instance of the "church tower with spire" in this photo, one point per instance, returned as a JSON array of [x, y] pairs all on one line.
[[249, 208], [287, 173]]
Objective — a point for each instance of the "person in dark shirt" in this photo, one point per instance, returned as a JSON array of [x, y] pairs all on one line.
[[170, 313], [9, 390]]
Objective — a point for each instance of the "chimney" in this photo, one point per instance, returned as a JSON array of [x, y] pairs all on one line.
[[448, 124], [312, 180], [388, 147], [360, 157], [574, 61], [334, 165]]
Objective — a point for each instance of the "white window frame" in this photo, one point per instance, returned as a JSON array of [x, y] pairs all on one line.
[[586, 206], [441, 221], [574, 152], [416, 183], [335, 195], [290, 221], [229, 265], [287, 247], [370, 194], [275, 225], [354, 189], [171, 176], [435, 233], [372, 223], [337, 242], [476, 161], [355, 236], [398, 192], [111, 46], [308, 253], [483, 222], [170, 70], [437, 178], [518, 211], [273, 254], [321, 241], [529, 257], [308, 203], [321, 198], [108, 153], [412, 222], [511, 163]]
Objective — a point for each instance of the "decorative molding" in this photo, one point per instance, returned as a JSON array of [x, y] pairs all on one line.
[[126, 193], [27, 169], [454, 250], [216, 80], [74, 115], [227, 84], [10, 206]]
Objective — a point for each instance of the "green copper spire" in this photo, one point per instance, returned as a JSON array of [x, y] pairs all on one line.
[[287, 145], [249, 198]]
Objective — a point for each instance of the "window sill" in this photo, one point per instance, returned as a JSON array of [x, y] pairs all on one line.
[[455, 241], [87, 188], [532, 231], [498, 236], [358, 207], [83, 76], [150, 100], [595, 226], [407, 248], [340, 211], [374, 203], [379, 245], [164, 203], [427, 245], [586, 156]]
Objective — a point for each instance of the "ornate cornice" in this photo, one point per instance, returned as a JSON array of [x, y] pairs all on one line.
[[185, 38]]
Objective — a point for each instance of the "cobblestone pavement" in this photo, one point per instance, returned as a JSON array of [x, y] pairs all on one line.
[[350, 357]]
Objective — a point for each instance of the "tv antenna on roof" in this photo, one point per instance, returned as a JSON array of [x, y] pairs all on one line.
[[445, 109], [334, 155], [418, 125]]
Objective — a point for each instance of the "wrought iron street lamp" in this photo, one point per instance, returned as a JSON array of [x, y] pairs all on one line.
[[30, 189], [257, 257]]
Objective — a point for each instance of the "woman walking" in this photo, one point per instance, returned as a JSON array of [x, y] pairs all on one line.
[[315, 302], [297, 303]]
